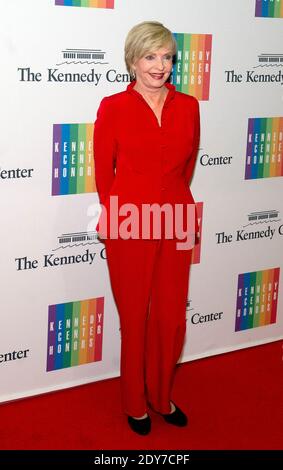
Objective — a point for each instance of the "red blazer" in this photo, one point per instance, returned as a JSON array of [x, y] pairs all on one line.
[[140, 161]]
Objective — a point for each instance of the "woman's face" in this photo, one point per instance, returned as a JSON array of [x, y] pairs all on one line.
[[154, 68]]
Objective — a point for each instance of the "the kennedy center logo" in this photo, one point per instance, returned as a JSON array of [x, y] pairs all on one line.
[[268, 72], [269, 60], [83, 56], [257, 299], [69, 240], [269, 8], [261, 225], [73, 162], [76, 65], [191, 72], [75, 331], [86, 3], [264, 148]]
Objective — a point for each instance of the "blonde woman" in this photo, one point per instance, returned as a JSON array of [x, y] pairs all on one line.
[[145, 143]]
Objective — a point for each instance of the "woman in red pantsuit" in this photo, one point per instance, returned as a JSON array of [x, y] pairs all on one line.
[[145, 146]]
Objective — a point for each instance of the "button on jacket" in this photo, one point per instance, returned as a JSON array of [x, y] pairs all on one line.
[[139, 160]]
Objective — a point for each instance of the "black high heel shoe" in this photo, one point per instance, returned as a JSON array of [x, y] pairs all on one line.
[[177, 418], [140, 426]]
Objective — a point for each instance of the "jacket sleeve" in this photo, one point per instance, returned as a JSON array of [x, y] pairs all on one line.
[[104, 146], [192, 161], [196, 137]]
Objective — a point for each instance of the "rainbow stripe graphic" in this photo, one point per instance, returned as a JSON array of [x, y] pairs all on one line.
[[75, 331], [191, 72], [264, 157], [257, 299], [197, 248], [269, 8], [73, 162], [86, 3]]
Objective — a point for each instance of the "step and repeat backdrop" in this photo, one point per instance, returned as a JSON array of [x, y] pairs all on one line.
[[59, 58]]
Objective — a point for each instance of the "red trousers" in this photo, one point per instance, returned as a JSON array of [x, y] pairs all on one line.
[[149, 280]]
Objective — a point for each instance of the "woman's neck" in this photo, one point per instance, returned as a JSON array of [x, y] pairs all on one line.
[[156, 96]]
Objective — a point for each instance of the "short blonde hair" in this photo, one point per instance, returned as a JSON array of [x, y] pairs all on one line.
[[145, 37]]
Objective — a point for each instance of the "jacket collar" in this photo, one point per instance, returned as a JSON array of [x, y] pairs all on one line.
[[171, 88]]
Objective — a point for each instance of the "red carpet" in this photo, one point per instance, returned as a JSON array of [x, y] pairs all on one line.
[[234, 401]]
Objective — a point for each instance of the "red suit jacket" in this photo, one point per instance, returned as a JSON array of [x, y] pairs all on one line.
[[140, 161]]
